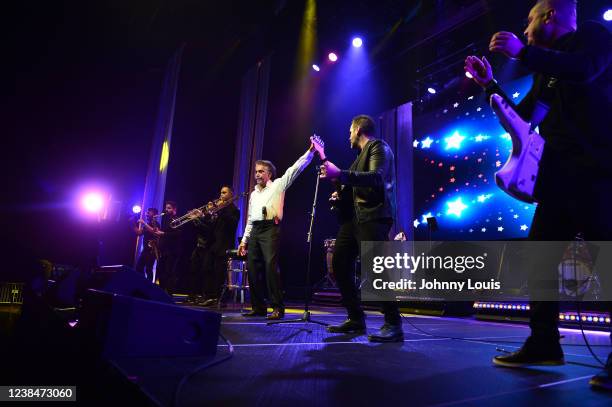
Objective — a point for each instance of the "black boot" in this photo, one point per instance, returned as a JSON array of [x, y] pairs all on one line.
[[388, 333], [533, 353], [356, 326], [603, 379]]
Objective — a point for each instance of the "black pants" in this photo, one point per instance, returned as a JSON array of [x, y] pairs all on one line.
[[580, 206], [346, 249], [197, 267], [145, 263], [215, 273], [264, 244], [167, 271]]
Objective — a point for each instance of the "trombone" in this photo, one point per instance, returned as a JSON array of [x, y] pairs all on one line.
[[211, 209]]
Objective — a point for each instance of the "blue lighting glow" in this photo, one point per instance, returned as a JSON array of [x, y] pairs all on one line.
[[607, 15], [455, 159], [455, 207], [357, 42], [454, 141]]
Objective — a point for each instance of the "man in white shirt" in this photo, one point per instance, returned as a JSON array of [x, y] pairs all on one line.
[[262, 232]]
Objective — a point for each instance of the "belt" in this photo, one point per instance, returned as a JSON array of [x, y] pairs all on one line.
[[264, 222]]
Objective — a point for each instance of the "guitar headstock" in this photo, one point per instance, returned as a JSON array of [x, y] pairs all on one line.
[[318, 145]]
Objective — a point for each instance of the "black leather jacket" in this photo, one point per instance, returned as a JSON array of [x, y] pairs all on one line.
[[372, 178]]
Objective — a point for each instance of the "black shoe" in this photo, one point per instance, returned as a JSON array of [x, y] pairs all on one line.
[[211, 302], [276, 314], [388, 333], [256, 313], [350, 326], [603, 379], [532, 354]]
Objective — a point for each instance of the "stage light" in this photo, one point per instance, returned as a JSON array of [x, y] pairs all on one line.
[[136, 209], [607, 15], [455, 207], [92, 202], [332, 57], [469, 75], [316, 67], [431, 90], [357, 42]]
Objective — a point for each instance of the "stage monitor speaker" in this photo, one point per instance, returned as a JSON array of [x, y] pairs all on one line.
[[120, 326], [71, 287]]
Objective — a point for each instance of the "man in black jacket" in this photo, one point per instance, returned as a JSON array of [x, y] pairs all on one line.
[[170, 249], [573, 84], [367, 199], [223, 227]]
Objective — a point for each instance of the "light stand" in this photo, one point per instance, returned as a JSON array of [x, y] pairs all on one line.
[[306, 316]]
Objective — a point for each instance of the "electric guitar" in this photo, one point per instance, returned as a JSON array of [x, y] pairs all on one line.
[[518, 175]]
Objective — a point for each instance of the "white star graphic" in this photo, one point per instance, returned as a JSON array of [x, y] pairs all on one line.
[[445, 111], [523, 227], [500, 218], [483, 230], [415, 143], [498, 163], [454, 141], [427, 215], [506, 136], [426, 143], [478, 109], [455, 207], [515, 216], [471, 230], [416, 223], [515, 95], [471, 97], [455, 105], [500, 228]]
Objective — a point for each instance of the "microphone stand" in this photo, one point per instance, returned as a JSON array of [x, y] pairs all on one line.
[[306, 316]]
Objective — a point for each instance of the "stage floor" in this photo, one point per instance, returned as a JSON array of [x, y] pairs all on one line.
[[284, 365]]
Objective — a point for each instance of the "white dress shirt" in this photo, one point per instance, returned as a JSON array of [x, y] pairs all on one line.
[[272, 196]]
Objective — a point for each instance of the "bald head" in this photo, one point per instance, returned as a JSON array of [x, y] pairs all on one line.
[[549, 20], [564, 11]]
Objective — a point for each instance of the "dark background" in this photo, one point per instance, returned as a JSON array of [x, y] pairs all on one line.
[[85, 79]]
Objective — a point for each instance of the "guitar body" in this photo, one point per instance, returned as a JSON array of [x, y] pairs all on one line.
[[519, 174]]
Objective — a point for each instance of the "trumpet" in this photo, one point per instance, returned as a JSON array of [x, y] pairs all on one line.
[[211, 209]]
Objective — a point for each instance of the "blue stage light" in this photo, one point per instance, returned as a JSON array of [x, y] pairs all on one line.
[[357, 42], [607, 15], [316, 67]]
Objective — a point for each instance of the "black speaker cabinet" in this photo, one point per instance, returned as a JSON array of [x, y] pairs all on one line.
[[120, 326]]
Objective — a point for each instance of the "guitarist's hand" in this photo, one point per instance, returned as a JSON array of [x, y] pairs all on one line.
[[316, 144], [329, 171], [334, 196], [480, 69]]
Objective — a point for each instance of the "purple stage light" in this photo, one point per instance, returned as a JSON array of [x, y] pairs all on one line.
[[357, 42], [92, 202], [136, 209], [316, 67], [332, 57], [431, 90], [469, 75], [607, 15]]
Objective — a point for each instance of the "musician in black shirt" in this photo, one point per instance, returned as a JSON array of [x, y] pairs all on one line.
[[216, 235], [573, 84], [170, 249], [148, 228]]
